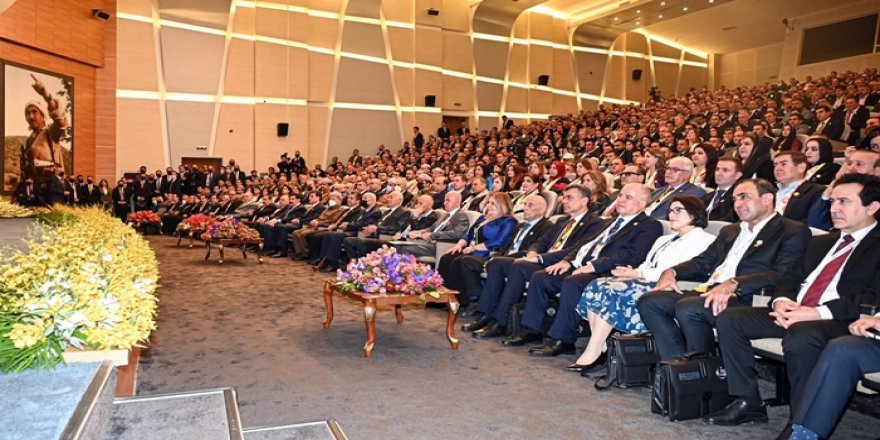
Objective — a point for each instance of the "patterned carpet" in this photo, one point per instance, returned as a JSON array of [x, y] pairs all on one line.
[[258, 328]]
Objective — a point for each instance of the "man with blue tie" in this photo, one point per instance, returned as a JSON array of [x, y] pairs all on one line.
[[678, 173], [814, 302], [623, 241]]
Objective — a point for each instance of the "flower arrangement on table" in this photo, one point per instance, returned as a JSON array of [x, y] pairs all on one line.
[[14, 210], [142, 217], [196, 223], [230, 229], [387, 272], [86, 283]]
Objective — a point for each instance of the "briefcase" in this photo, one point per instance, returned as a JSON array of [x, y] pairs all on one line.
[[690, 387], [631, 359]]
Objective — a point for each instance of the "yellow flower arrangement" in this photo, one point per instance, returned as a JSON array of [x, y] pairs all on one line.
[[14, 210], [89, 282]]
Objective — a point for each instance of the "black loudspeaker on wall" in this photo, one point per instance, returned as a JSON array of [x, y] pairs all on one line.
[[543, 80], [282, 129], [637, 74], [430, 100]]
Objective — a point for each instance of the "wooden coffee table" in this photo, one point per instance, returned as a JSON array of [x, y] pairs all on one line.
[[371, 301], [223, 243]]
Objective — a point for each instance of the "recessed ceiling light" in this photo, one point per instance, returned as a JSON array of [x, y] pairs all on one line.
[[638, 11], [684, 8], [615, 19], [659, 16], [662, 3]]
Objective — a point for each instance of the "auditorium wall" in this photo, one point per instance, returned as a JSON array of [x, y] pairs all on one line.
[[355, 74], [62, 36]]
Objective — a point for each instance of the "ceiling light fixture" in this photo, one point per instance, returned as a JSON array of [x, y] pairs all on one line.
[[660, 16], [662, 3], [684, 8]]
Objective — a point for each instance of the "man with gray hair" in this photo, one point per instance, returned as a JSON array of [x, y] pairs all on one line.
[[678, 174], [452, 227]]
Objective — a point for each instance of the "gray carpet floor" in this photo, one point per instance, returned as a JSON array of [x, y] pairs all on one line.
[[258, 328]]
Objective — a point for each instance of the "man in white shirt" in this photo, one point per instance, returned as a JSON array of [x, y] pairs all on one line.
[[814, 302], [746, 258]]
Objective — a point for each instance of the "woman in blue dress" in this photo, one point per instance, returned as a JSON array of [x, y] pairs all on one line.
[[611, 303], [489, 233]]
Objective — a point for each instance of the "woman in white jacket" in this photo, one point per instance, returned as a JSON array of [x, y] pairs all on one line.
[[611, 303]]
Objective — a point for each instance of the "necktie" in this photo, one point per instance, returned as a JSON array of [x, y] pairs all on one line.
[[717, 199], [597, 246], [815, 291], [520, 236], [387, 214], [442, 223], [563, 236]]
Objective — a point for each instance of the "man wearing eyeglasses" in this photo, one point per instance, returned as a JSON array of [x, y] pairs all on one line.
[[678, 173]]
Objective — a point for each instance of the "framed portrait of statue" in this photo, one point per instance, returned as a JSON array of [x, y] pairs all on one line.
[[37, 125]]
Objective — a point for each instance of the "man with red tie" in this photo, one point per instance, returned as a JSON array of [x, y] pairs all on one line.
[[813, 303]]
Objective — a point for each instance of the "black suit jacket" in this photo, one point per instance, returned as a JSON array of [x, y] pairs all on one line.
[[629, 246], [532, 237], [858, 122], [26, 197], [396, 221], [55, 190], [292, 213], [364, 218], [833, 129], [587, 227], [859, 281], [312, 213], [723, 211], [774, 251], [802, 201]]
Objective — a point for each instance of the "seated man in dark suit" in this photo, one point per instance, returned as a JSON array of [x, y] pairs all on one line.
[[507, 275], [452, 227], [719, 203], [678, 174], [816, 301], [796, 197], [745, 259], [331, 245], [526, 234], [624, 241], [831, 384], [314, 239], [395, 219], [422, 218], [293, 221], [439, 189], [26, 193]]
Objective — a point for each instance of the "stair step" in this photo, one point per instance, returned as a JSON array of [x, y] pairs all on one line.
[[68, 402], [326, 430], [206, 414]]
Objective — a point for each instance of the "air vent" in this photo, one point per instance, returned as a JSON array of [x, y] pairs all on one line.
[[729, 28]]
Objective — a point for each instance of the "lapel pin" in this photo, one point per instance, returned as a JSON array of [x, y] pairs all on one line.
[[796, 194], [758, 243]]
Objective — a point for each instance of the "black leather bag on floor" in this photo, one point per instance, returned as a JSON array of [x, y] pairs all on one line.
[[690, 387], [630, 361]]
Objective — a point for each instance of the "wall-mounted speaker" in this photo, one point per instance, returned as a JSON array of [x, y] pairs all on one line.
[[637, 74], [430, 100], [543, 80], [282, 129]]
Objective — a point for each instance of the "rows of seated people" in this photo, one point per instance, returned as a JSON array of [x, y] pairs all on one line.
[[575, 207]]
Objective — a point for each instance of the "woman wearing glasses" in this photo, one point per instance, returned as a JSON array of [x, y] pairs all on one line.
[[611, 303]]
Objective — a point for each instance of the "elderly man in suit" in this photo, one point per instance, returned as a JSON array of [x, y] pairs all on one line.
[[423, 217], [331, 244], [452, 227], [719, 203], [395, 219], [623, 241], [744, 260], [507, 275], [816, 301], [795, 197], [678, 173]]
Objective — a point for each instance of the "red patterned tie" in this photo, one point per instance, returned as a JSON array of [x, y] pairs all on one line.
[[815, 291]]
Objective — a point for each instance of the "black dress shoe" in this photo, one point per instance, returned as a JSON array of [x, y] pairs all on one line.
[[320, 265], [476, 325], [522, 338], [469, 313], [552, 348], [595, 368], [738, 412], [575, 368], [278, 255], [492, 330]]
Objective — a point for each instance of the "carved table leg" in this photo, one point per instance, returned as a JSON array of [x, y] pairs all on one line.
[[451, 316], [221, 253], [328, 304], [398, 311], [243, 249], [207, 250], [179, 237], [191, 240], [370, 320]]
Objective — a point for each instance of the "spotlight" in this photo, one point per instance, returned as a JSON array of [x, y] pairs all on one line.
[[100, 14]]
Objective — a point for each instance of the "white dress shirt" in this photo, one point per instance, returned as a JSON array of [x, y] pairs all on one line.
[[727, 269]]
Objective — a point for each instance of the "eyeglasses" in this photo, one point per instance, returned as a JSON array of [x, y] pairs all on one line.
[[678, 170], [676, 210], [627, 174]]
